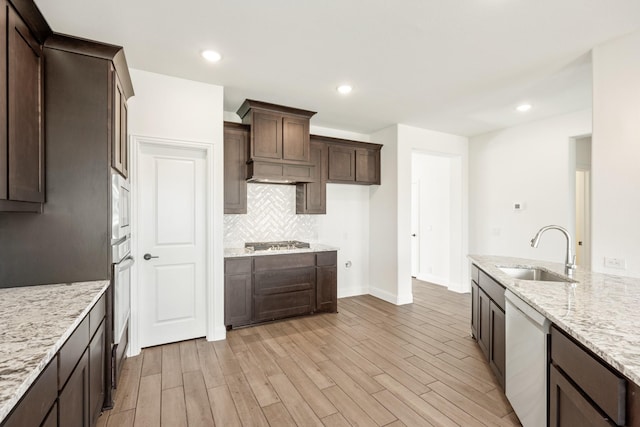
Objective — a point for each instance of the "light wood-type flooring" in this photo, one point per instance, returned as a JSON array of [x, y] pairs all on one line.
[[371, 364]]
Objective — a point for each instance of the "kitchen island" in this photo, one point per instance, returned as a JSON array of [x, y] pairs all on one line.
[[593, 353], [600, 311], [35, 324]]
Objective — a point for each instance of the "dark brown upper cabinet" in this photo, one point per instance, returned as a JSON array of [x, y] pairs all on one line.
[[22, 162], [278, 142], [236, 143], [119, 138], [352, 162], [311, 198]]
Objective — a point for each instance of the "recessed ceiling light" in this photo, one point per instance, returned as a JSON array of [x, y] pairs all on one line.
[[211, 55], [345, 89], [523, 108]]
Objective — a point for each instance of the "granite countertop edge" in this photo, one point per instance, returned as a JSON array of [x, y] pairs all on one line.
[[591, 328], [243, 252], [7, 406]]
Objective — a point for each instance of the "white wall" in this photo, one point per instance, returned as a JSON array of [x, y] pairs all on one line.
[[178, 109], [616, 154], [532, 164], [383, 222], [390, 218]]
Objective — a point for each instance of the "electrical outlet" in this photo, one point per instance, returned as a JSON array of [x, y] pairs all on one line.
[[618, 263]]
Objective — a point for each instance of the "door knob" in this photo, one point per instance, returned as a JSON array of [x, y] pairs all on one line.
[[413, 235], [147, 257]]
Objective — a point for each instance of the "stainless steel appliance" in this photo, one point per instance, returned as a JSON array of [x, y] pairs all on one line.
[[276, 246], [526, 361], [121, 271]]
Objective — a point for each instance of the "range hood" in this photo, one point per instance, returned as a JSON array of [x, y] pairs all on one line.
[[279, 147]]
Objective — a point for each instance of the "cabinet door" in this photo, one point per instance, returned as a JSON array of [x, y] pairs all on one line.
[[312, 198], [567, 405], [497, 341], [342, 163], [25, 115], [96, 373], [326, 289], [367, 166], [52, 418], [73, 402], [117, 154], [124, 136], [266, 135], [295, 139], [484, 327], [235, 171], [237, 299], [474, 309]]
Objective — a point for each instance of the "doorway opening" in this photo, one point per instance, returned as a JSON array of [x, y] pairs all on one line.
[[582, 238], [436, 208]]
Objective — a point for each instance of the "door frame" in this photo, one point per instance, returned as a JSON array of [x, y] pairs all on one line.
[[213, 301]]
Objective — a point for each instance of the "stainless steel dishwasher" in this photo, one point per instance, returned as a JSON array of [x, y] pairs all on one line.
[[526, 361]]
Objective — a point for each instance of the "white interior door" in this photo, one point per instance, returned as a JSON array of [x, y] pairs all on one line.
[[583, 219], [415, 228], [172, 209]]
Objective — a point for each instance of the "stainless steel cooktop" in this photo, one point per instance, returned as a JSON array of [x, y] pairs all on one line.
[[276, 246]]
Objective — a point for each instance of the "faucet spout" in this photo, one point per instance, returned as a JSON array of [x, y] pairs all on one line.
[[570, 258]]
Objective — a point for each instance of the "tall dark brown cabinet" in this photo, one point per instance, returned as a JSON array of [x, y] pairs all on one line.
[[87, 87], [22, 163]]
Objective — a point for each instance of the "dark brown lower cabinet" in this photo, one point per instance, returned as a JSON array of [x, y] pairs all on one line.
[[326, 282], [75, 376], [474, 309], [97, 359], [568, 407], [484, 327], [237, 291], [264, 288], [497, 343], [52, 418], [37, 401], [488, 324], [73, 402]]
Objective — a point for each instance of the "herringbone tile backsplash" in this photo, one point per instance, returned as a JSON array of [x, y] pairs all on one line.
[[271, 216]]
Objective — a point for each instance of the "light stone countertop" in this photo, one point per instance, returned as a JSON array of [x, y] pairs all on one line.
[[601, 311], [240, 252], [34, 323]]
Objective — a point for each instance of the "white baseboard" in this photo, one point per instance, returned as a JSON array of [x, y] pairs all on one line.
[[353, 291], [390, 297], [440, 281], [219, 333]]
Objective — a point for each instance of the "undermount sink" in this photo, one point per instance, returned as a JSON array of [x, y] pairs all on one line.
[[533, 273]]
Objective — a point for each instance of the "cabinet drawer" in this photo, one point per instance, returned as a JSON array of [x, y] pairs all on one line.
[[282, 262], [237, 266], [281, 281], [96, 315], [475, 273], [35, 404], [278, 306], [605, 387], [492, 288], [326, 258], [71, 351]]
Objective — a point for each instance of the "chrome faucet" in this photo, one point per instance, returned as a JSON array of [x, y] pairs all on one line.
[[570, 259]]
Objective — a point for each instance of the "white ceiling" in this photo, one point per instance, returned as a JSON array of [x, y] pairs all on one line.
[[457, 66]]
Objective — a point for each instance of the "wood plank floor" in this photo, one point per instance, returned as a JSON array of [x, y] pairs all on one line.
[[371, 364]]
